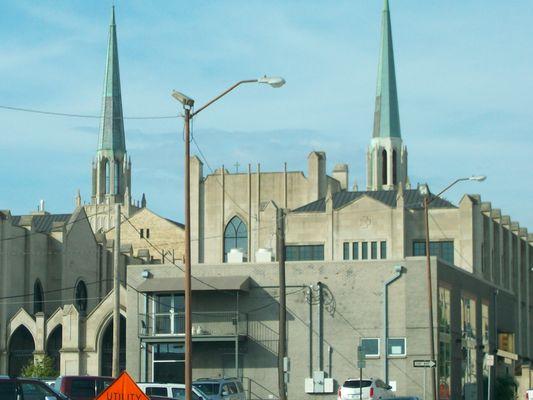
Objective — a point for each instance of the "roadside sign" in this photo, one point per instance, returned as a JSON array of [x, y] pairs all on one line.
[[489, 358], [123, 388], [361, 361], [424, 364]]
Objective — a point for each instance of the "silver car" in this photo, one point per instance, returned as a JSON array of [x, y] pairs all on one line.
[[221, 388]]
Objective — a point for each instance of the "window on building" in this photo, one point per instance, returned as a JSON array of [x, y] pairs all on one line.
[[141, 233], [364, 250], [444, 360], [370, 347], [38, 297], [384, 168], [373, 250], [442, 249], [107, 176], [304, 252], [117, 177], [147, 233], [346, 251], [394, 168], [383, 250], [355, 250], [396, 347], [485, 329], [169, 316], [81, 296], [235, 237], [469, 345]]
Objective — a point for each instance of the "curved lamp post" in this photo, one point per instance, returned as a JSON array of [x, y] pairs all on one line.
[[424, 191], [189, 113]]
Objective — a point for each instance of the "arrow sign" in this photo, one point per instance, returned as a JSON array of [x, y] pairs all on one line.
[[424, 364]]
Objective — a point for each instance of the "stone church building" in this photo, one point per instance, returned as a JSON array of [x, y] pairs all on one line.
[[356, 273]]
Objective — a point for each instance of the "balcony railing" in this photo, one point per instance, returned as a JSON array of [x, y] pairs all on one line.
[[204, 324]]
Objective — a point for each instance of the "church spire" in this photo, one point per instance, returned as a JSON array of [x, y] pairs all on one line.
[[386, 115], [111, 139]]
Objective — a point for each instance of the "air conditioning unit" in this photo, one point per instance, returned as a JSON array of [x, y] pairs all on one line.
[[235, 256], [263, 255]]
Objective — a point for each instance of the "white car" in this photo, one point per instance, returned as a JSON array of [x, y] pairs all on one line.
[[173, 390], [365, 389], [529, 394]]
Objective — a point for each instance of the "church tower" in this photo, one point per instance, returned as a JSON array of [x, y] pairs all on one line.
[[111, 170], [386, 156]]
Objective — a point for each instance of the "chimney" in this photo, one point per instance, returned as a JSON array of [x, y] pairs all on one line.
[[340, 173]]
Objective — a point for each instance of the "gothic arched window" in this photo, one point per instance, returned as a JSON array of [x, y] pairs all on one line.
[[38, 297], [81, 296], [107, 176], [384, 167], [117, 176], [394, 168], [235, 237]]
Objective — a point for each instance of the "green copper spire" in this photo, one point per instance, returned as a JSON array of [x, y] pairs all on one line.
[[386, 115], [112, 125]]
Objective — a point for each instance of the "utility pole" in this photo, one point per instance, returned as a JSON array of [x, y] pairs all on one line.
[[187, 275], [116, 295], [282, 348]]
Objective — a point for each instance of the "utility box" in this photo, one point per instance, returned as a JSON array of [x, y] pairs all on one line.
[[328, 385], [319, 383]]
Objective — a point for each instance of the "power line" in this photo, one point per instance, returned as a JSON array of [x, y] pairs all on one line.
[[71, 115]]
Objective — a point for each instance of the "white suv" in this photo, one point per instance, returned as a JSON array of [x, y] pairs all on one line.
[[365, 389], [173, 390]]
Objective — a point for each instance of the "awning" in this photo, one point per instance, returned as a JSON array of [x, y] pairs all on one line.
[[241, 283]]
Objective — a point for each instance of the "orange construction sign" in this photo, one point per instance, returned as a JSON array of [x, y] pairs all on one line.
[[123, 388]]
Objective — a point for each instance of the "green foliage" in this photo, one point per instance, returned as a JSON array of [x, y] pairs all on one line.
[[43, 368], [505, 388]]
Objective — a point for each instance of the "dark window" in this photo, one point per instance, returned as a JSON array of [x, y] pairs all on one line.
[[355, 250], [304, 252], [82, 388], [147, 233], [364, 250], [443, 250], [209, 389], [81, 296], [355, 384], [141, 233], [156, 391], [107, 177], [374, 250], [370, 347], [396, 347], [384, 167], [38, 297], [383, 250], [117, 177], [346, 251], [235, 237], [394, 168], [8, 390]]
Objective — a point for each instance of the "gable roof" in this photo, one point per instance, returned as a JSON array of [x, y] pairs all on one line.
[[412, 200], [43, 223]]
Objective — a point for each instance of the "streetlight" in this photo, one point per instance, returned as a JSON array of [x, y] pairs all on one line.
[[424, 191], [189, 113]]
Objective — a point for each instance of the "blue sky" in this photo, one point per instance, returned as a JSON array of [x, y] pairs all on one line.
[[464, 72]]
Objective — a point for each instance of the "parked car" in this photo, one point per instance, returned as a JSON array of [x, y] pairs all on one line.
[[407, 398], [169, 390], [82, 387], [221, 388], [529, 394], [369, 389], [27, 389]]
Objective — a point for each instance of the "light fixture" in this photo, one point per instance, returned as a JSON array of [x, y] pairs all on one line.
[[478, 178], [274, 81], [146, 274], [182, 98]]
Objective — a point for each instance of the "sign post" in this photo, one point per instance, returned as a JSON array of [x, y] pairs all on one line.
[[361, 363], [424, 364]]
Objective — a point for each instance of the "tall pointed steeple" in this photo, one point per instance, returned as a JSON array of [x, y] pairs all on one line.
[[111, 168], [112, 125], [386, 115], [387, 156]]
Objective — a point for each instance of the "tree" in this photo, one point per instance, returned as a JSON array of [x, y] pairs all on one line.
[[43, 368], [505, 388]]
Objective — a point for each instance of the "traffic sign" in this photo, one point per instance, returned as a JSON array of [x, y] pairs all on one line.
[[361, 361], [424, 364], [489, 359], [123, 388]]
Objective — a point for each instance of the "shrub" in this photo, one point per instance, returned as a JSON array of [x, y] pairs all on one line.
[[43, 368]]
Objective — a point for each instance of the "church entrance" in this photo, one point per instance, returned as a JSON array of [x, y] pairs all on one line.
[[21, 350], [106, 349], [53, 346]]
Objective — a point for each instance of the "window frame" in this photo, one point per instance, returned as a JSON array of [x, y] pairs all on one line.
[[404, 354], [346, 251], [375, 355], [374, 250], [364, 250], [294, 252], [382, 246]]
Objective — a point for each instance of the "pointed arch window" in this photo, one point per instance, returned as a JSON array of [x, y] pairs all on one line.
[[107, 176], [235, 237], [81, 296], [394, 168], [384, 167], [117, 177], [38, 297]]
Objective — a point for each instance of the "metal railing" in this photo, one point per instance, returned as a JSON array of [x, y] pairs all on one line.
[[205, 323]]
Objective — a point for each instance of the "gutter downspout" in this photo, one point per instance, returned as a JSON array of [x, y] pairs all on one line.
[[310, 331], [398, 269], [320, 328]]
